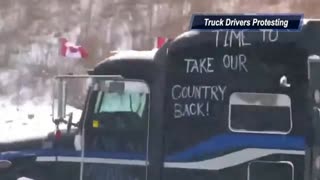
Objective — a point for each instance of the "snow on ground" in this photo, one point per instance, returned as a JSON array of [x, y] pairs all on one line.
[[15, 125], [129, 54]]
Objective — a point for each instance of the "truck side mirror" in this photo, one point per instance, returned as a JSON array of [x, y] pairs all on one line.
[[17, 162], [5, 164]]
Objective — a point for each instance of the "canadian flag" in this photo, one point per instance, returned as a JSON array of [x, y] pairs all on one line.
[[160, 41], [71, 50]]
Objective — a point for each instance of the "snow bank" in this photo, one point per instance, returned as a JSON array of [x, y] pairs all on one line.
[[28, 121]]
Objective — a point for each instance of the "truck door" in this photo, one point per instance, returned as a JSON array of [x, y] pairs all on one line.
[[116, 131], [68, 100]]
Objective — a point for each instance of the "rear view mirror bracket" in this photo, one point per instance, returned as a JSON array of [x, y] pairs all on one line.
[[70, 122]]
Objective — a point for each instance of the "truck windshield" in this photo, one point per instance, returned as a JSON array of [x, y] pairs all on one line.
[[126, 102], [122, 105]]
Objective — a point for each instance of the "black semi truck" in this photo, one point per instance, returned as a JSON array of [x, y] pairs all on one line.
[[206, 105]]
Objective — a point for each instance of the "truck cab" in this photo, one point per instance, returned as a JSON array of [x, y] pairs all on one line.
[[113, 132]]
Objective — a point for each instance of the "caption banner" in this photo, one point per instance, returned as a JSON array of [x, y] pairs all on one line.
[[287, 22]]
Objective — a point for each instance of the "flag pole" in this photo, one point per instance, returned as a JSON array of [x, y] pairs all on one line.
[[19, 89], [60, 55], [150, 20]]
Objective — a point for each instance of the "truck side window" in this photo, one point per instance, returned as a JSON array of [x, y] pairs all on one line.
[[260, 113]]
